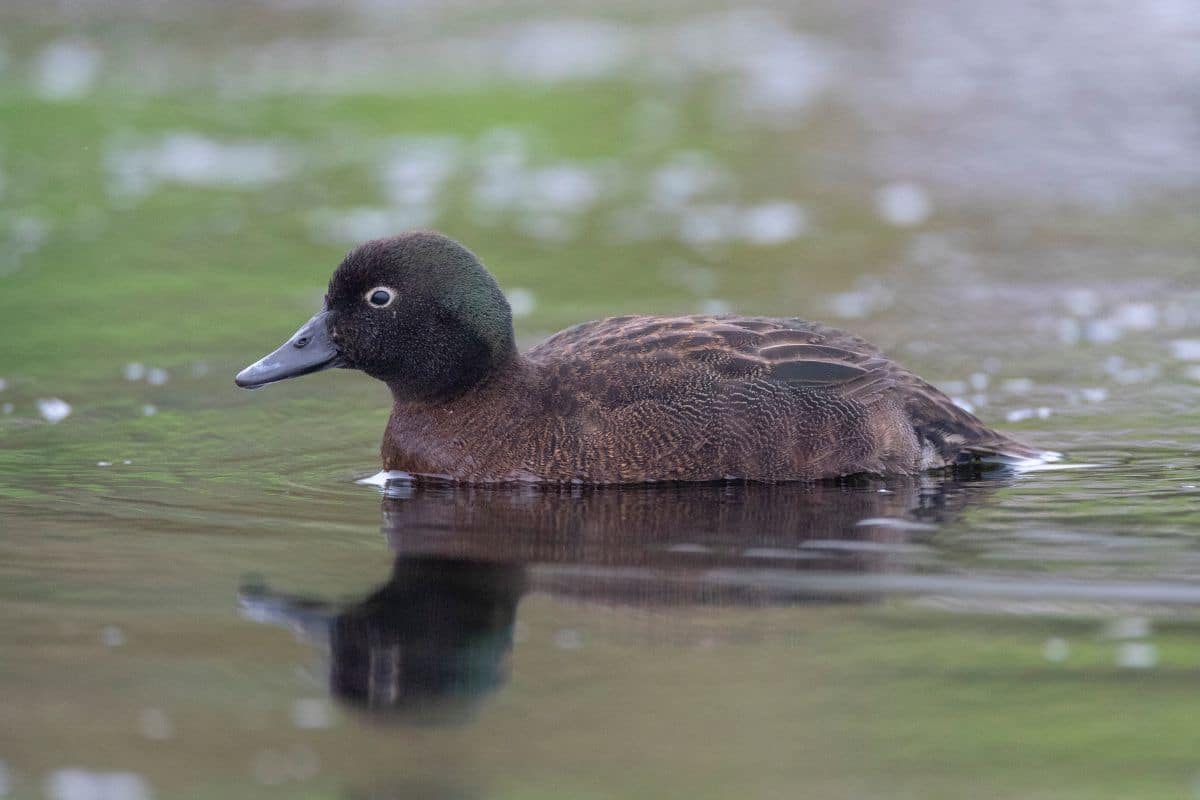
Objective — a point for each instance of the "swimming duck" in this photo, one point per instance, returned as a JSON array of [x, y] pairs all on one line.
[[630, 399]]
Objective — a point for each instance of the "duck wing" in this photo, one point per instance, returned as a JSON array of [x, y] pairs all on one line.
[[801, 355]]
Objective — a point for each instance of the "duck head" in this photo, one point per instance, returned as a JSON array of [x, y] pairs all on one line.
[[417, 311]]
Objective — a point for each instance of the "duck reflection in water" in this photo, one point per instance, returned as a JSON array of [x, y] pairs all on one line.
[[435, 640]]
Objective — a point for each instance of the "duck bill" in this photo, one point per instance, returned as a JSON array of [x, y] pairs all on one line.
[[308, 350]]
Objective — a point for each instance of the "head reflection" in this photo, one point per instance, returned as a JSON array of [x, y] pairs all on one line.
[[435, 639]]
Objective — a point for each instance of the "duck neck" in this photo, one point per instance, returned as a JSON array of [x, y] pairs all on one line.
[[494, 382]]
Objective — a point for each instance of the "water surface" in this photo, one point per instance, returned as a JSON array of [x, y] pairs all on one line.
[[197, 600]]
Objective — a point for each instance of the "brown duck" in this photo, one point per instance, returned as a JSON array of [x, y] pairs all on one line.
[[631, 399]]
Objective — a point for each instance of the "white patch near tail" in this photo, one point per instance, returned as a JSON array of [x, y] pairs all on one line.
[[1045, 461]]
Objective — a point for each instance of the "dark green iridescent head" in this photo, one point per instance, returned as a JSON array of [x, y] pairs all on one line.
[[417, 311]]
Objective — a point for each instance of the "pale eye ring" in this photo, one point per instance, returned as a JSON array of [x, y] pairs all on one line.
[[381, 296]]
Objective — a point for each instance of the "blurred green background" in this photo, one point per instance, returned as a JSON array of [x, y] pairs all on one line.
[[1003, 196]]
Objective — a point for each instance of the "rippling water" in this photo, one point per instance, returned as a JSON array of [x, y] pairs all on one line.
[[198, 600]]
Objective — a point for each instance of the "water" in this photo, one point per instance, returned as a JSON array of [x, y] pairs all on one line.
[[197, 599]]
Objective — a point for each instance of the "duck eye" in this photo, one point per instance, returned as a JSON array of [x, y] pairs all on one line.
[[380, 297]]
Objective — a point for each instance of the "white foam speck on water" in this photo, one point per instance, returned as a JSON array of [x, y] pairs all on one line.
[[157, 376], [103, 463], [715, 306], [312, 713], [356, 225], [1182, 349], [773, 223], [686, 176], [76, 783], [149, 410], [137, 168], [66, 69], [553, 51], [1082, 302], [548, 201], [417, 168], [1102, 331], [563, 187], [1137, 655], [134, 371], [1069, 331], [1056, 650], [53, 410], [26, 233], [155, 724], [776, 71], [521, 301], [1017, 385], [1095, 394], [868, 297], [1124, 373], [904, 204], [1022, 414], [112, 636], [703, 225], [1136, 316], [568, 639]]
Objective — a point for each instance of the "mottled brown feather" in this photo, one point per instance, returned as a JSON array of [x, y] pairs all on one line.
[[641, 399]]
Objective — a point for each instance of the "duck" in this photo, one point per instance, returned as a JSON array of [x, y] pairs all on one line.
[[623, 400]]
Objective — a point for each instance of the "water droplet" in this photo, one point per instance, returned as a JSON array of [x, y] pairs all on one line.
[[568, 639], [903, 204], [76, 783], [1137, 655], [53, 410], [312, 713], [521, 301], [155, 724], [65, 69], [773, 223]]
